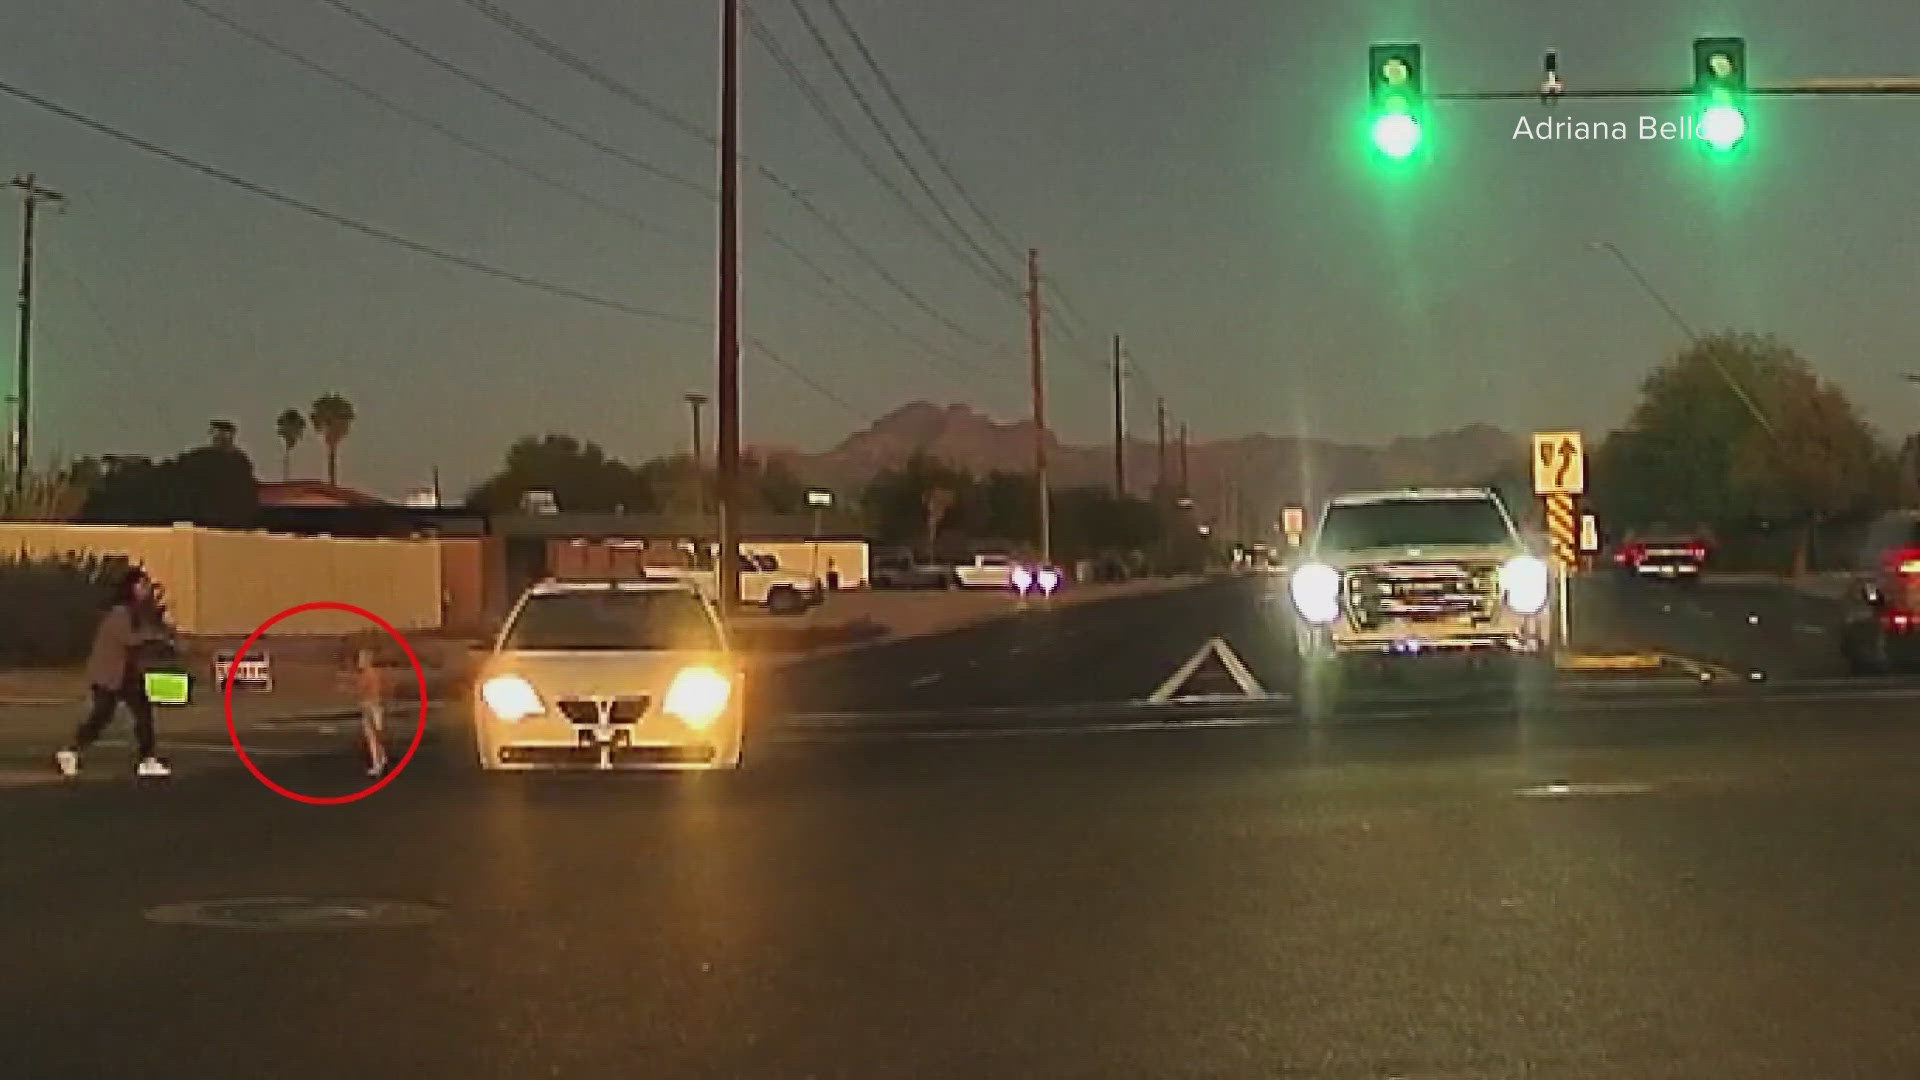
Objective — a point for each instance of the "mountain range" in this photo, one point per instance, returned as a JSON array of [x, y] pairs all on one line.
[[1267, 471]]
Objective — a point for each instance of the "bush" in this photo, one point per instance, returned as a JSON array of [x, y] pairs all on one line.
[[52, 607]]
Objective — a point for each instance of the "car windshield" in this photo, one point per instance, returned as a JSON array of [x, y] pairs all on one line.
[[1361, 526], [613, 621]]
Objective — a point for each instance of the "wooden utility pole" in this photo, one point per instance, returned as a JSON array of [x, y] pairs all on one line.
[[23, 379], [1185, 491], [1160, 461], [727, 565], [1039, 405], [695, 402], [1119, 427]]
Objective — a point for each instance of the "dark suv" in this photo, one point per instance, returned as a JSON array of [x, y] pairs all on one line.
[[1882, 628]]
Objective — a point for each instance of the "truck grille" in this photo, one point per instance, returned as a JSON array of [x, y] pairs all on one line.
[[622, 710], [1422, 592]]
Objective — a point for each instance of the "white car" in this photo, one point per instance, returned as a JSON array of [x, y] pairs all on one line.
[[986, 571], [763, 583], [610, 675], [1392, 576]]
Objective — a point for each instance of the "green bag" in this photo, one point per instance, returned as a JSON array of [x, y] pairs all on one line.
[[168, 687]]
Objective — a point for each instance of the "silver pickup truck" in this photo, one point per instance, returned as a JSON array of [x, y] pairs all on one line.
[[1396, 577]]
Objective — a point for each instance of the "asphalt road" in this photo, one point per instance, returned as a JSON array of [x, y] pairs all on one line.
[[1648, 881]]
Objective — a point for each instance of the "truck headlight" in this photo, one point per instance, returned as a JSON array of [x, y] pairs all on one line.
[[1316, 592], [697, 696], [511, 697], [1525, 583]]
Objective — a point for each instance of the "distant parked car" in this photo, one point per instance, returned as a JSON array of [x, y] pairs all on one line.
[[905, 570], [988, 570]]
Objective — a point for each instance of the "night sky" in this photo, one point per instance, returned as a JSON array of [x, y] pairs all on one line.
[[1196, 175]]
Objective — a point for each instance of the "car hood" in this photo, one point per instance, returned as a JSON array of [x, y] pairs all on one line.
[[602, 674], [1345, 560]]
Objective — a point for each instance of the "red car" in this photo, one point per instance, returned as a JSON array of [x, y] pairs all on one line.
[[1665, 556], [1882, 624]]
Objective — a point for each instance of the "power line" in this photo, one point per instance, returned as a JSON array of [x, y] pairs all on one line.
[[996, 276], [920, 135], [825, 111], [522, 105], [428, 122], [799, 373], [559, 185], [573, 61], [345, 222], [378, 233], [576, 63]]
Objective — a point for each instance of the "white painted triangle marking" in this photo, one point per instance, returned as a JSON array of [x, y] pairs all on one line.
[[1236, 670]]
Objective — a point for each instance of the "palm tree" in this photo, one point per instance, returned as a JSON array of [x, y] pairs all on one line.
[[291, 426], [332, 417]]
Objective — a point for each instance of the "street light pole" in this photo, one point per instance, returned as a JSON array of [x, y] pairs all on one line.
[[1692, 336], [727, 566]]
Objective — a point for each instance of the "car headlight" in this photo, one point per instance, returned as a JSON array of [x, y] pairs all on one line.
[[1316, 592], [511, 697], [1525, 583], [698, 696], [1022, 578]]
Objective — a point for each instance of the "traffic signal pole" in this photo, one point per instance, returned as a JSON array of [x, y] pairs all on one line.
[[1802, 88]]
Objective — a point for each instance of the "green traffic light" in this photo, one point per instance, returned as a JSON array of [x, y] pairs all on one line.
[[1723, 126], [1396, 134]]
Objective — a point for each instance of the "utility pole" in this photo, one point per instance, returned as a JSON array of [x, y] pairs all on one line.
[[1160, 461], [1119, 427], [694, 404], [1185, 492], [1039, 405], [23, 379], [727, 566]]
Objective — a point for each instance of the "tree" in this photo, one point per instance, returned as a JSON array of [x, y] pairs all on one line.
[[291, 427], [52, 494], [1693, 453], [582, 478], [210, 485], [332, 417], [896, 500]]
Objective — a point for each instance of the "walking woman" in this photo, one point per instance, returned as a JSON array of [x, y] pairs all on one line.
[[115, 676]]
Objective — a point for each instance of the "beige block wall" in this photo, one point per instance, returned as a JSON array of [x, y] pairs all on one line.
[[247, 578], [228, 583]]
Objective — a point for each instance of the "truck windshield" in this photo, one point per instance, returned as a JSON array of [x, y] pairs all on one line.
[[613, 621], [1408, 523]]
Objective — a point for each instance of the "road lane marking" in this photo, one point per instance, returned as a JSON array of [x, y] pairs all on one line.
[[927, 680], [1112, 728]]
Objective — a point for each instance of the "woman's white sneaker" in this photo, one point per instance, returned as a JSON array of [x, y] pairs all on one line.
[[153, 766], [68, 762]]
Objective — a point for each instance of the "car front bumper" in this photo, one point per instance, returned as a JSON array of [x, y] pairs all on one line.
[[655, 742]]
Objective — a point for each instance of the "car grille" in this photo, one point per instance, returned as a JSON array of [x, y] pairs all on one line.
[[588, 755], [1422, 592], [620, 710]]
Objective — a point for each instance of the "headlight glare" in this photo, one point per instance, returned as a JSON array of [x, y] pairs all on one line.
[[1525, 582], [1316, 592], [698, 696], [511, 697]]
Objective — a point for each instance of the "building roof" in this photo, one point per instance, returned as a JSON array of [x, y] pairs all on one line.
[[313, 493], [753, 526]]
